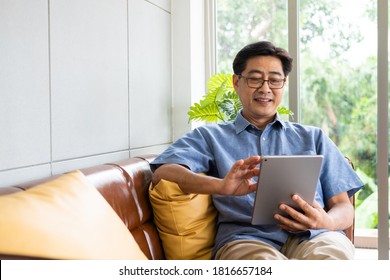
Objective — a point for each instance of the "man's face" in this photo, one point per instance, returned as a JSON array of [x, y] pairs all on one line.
[[260, 104]]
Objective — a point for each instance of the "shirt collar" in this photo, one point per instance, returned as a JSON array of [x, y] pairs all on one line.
[[241, 123]]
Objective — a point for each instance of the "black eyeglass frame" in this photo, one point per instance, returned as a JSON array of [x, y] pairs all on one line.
[[270, 85]]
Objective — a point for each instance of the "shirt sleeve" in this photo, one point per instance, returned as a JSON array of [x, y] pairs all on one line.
[[337, 175], [192, 151]]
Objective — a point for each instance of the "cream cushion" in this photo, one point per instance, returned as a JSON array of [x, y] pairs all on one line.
[[66, 218], [186, 222]]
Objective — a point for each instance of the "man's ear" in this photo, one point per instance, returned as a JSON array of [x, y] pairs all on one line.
[[235, 81]]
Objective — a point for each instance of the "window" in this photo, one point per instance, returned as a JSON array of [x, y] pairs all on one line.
[[337, 74]]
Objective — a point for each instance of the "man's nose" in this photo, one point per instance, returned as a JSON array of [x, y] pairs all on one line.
[[265, 86]]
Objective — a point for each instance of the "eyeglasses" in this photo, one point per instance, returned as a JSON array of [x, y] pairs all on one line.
[[273, 83]]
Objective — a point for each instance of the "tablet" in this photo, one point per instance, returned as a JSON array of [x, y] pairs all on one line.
[[281, 177]]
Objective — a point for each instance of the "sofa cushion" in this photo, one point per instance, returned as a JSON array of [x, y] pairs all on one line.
[[186, 222], [66, 218]]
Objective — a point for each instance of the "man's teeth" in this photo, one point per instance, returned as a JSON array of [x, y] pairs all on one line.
[[263, 99]]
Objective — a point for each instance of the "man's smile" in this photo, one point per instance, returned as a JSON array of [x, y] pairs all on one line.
[[263, 99]]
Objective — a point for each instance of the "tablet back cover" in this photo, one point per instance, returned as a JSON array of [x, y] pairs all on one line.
[[280, 178]]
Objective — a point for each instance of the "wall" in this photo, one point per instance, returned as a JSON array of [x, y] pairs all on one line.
[[82, 82]]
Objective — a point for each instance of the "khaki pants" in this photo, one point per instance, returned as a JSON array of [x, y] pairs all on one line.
[[325, 246]]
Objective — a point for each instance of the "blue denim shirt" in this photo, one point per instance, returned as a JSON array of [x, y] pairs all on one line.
[[214, 148]]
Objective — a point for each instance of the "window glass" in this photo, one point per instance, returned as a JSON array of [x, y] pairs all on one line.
[[338, 85]]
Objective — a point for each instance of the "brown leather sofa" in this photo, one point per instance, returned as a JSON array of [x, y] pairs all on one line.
[[125, 186]]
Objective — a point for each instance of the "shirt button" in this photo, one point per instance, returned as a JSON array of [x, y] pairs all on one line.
[[263, 138]]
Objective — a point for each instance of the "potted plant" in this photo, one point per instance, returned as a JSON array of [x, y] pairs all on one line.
[[221, 102]]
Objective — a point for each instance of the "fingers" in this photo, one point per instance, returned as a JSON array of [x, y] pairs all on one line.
[[294, 214], [289, 224], [253, 160], [248, 163], [239, 180], [237, 165], [304, 205], [308, 217], [253, 187], [317, 205], [297, 220]]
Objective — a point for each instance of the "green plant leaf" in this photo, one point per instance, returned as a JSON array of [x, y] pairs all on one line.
[[230, 105], [284, 111], [220, 80], [217, 86], [212, 96], [199, 112]]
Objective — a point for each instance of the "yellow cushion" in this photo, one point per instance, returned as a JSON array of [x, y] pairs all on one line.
[[66, 218], [186, 222]]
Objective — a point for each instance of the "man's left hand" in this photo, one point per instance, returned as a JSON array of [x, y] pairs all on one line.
[[313, 216]]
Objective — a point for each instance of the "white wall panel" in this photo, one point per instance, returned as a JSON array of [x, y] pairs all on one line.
[[69, 165], [21, 175], [89, 67], [150, 75], [149, 150], [24, 83]]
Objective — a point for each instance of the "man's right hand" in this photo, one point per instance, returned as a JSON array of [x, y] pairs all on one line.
[[239, 180]]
